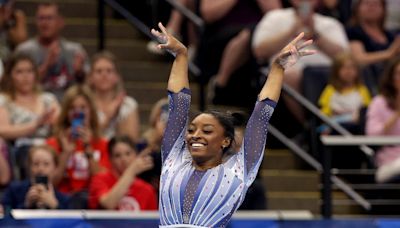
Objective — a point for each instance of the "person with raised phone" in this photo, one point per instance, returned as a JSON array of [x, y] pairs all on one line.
[[199, 187], [37, 191]]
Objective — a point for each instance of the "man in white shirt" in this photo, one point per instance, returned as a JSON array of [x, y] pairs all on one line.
[[280, 26]]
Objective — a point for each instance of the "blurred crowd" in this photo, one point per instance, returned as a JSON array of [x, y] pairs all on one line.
[[70, 136]]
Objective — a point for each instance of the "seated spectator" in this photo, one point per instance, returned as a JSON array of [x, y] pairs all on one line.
[[383, 118], [120, 188], [370, 43], [151, 140], [37, 192], [118, 113], [61, 62], [345, 95], [280, 26], [81, 150], [13, 28], [26, 113], [5, 174], [225, 48]]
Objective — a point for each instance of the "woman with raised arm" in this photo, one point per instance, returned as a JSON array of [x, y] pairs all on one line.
[[198, 187]]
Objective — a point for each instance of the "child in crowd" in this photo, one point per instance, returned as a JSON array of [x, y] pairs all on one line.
[[120, 188], [345, 95], [37, 192]]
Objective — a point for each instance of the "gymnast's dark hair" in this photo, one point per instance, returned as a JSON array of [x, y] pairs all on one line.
[[120, 139]]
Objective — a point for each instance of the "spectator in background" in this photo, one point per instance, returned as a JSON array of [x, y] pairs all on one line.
[[224, 54], [345, 95], [120, 188], [27, 114], [383, 118], [371, 44], [278, 27], [81, 150], [61, 62], [118, 113], [13, 29], [37, 192], [340, 10], [5, 174], [151, 140]]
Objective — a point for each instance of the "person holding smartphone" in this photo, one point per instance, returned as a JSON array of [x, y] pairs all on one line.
[[82, 152], [36, 192], [280, 26]]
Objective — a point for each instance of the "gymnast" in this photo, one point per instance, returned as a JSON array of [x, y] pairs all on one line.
[[200, 186]]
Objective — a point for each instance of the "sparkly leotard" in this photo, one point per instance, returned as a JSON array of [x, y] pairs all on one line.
[[193, 198]]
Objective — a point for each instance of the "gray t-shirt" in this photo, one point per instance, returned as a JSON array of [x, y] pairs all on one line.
[[61, 74]]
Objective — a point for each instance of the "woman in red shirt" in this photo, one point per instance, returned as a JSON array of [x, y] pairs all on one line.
[[120, 188], [82, 152]]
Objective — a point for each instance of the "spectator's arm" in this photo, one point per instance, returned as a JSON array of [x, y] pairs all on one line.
[[4, 171], [9, 131], [365, 58], [142, 162], [212, 10], [110, 199], [330, 48], [18, 33]]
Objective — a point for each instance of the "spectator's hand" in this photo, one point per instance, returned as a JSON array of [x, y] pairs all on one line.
[[68, 147], [115, 105], [32, 197], [53, 53], [20, 17], [142, 162], [395, 47], [85, 134], [292, 52], [47, 117], [168, 42], [47, 197], [79, 62]]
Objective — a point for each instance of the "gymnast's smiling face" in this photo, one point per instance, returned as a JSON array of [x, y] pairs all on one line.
[[206, 139]]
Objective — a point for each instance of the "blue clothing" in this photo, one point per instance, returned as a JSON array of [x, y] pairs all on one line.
[[207, 198], [14, 196]]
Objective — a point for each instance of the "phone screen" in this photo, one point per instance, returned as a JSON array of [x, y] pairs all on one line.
[[77, 121], [41, 180]]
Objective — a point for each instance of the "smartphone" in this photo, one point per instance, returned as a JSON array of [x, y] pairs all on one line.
[[41, 180], [77, 122]]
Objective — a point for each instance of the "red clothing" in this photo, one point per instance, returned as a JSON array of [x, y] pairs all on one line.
[[140, 195], [77, 175]]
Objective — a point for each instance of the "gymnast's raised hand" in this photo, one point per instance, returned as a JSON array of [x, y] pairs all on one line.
[[168, 42], [293, 51]]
